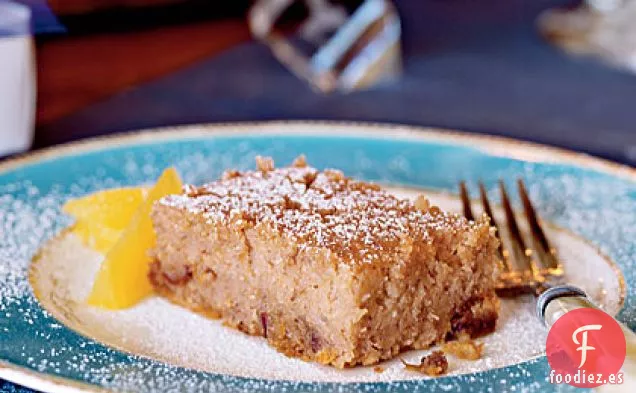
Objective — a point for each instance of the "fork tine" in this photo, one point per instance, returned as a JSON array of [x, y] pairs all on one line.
[[520, 252], [488, 210], [546, 254], [463, 192]]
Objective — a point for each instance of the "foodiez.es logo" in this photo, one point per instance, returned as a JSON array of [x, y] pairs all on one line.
[[586, 348]]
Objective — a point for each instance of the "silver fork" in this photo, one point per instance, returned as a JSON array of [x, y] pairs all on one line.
[[538, 271]]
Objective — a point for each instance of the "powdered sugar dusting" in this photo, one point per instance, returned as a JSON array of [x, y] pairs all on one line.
[[358, 221]]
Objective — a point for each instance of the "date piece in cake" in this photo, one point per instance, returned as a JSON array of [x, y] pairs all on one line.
[[325, 267]]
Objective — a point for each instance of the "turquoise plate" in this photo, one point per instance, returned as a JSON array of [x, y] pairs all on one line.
[[593, 198]]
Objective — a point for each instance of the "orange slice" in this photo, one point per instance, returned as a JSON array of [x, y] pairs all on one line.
[[109, 208], [101, 217], [97, 237], [122, 280]]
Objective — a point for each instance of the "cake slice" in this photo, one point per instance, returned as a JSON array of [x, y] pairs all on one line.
[[325, 267]]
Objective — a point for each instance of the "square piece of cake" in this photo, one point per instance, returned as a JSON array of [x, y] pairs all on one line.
[[325, 267]]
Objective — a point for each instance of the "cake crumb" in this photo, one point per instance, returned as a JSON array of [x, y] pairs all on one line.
[[422, 203], [300, 162], [264, 164], [378, 369], [230, 174], [433, 365], [464, 348]]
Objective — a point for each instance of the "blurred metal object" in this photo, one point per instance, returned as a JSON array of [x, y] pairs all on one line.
[[351, 51], [601, 28], [605, 5]]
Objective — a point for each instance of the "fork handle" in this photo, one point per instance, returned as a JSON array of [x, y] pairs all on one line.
[[558, 300]]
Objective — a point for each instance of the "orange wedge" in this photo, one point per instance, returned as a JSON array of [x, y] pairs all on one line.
[[111, 208], [97, 237], [102, 216], [122, 280]]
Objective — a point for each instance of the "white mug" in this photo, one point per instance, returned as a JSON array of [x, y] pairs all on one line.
[[17, 78]]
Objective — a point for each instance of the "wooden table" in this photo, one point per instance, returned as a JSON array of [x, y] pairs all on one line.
[[76, 71]]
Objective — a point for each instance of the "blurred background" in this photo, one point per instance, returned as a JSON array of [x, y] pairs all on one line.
[[501, 67]]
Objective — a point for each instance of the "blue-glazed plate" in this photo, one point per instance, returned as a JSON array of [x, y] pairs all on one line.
[[53, 342]]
